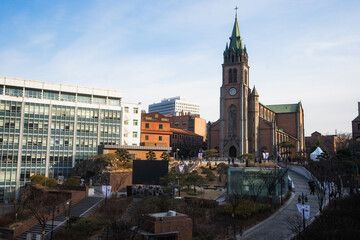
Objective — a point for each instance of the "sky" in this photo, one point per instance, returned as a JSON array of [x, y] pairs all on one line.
[[306, 50]]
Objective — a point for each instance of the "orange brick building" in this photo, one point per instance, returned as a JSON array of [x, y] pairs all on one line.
[[246, 125], [155, 130], [189, 122]]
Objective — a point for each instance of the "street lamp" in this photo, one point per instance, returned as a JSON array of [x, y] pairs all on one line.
[[53, 217], [303, 199], [67, 214], [177, 153]]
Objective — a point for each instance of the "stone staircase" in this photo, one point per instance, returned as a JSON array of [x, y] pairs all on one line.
[[81, 209]]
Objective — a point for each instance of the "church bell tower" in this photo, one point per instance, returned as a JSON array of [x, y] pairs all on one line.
[[234, 94]]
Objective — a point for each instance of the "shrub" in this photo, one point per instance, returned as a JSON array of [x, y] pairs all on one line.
[[50, 182], [247, 208], [40, 179], [88, 225], [72, 182]]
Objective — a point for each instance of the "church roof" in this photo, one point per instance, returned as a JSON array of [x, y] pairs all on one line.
[[284, 108], [357, 119]]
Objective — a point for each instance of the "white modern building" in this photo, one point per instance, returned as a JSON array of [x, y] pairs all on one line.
[[174, 106], [45, 128]]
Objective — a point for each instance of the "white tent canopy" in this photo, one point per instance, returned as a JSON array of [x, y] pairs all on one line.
[[315, 154]]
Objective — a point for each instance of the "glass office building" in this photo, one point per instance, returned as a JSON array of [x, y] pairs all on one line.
[[45, 128]]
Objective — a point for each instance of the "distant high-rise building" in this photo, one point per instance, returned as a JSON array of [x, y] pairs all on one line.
[[174, 106], [45, 128]]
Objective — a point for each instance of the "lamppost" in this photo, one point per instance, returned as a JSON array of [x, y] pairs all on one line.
[[177, 153], [53, 217], [303, 199], [67, 214]]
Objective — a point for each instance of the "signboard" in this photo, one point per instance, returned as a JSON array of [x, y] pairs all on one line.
[[306, 210], [106, 190]]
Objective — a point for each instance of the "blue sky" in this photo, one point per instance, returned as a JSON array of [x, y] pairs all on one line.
[[306, 50]]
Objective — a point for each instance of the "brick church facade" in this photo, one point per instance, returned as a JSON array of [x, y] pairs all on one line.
[[245, 124]]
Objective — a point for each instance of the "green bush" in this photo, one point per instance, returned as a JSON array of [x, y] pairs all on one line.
[[50, 182], [88, 225], [72, 182], [40, 179], [247, 208]]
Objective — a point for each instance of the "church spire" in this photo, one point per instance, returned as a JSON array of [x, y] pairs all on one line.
[[235, 39]]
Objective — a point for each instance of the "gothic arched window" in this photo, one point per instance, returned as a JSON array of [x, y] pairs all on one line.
[[230, 75], [234, 76], [232, 121], [246, 77]]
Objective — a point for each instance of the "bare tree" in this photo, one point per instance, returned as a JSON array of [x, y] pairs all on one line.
[[320, 196], [235, 195], [272, 177], [42, 205], [256, 183], [295, 224]]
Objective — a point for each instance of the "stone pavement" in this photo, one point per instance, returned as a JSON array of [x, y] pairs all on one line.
[[276, 226]]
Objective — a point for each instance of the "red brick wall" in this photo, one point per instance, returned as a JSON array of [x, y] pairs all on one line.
[[287, 122], [265, 137], [214, 136]]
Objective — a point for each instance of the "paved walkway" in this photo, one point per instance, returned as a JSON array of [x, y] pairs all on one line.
[[276, 226]]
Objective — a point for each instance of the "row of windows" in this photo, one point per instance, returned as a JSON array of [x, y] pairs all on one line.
[[52, 95], [11, 107], [10, 123], [134, 134], [183, 123], [147, 125], [147, 137], [135, 122], [135, 110]]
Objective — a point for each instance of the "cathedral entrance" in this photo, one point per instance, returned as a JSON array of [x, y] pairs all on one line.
[[232, 152]]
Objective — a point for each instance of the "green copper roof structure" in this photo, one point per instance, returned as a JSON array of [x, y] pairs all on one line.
[[284, 108], [235, 39], [254, 92]]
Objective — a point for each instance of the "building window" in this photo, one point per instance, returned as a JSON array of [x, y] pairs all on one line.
[[146, 125], [160, 126], [13, 91], [160, 138], [67, 97], [146, 137], [232, 121], [135, 122], [136, 110], [84, 98], [176, 123], [135, 134], [51, 95], [114, 102], [99, 100], [126, 122], [358, 126], [32, 93], [184, 123]]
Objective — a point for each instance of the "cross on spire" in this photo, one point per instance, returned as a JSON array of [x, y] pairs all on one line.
[[236, 8]]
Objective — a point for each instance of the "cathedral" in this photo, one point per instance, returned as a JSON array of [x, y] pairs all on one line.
[[245, 124]]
